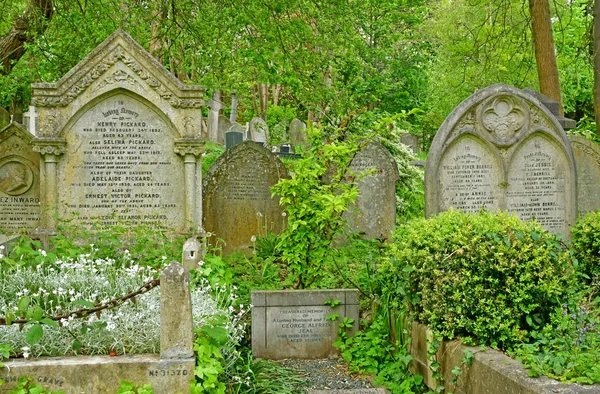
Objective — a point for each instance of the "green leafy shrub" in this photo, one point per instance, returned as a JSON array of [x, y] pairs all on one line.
[[488, 276], [586, 245]]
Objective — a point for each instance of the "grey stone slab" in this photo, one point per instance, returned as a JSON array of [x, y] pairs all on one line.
[[19, 180], [100, 374], [412, 141], [374, 211], [223, 126], [237, 197], [587, 160], [501, 149], [120, 139], [283, 327]]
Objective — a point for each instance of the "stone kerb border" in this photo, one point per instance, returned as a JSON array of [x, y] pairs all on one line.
[[294, 324], [169, 373], [491, 371]]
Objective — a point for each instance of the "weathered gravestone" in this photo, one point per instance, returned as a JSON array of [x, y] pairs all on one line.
[[295, 324], [234, 136], [587, 160], [121, 140], [4, 117], [502, 149], [374, 212], [237, 196], [412, 141], [297, 132], [19, 180], [258, 130], [224, 125]]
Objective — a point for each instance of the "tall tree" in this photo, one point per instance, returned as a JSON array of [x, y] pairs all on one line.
[[24, 28], [545, 53], [597, 65]]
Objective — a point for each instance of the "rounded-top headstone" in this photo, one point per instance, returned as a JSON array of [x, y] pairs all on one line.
[[297, 132], [258, 130], [501, 149], [237, 202]]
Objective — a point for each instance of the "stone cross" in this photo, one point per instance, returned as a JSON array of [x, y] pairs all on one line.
[[30, 120]]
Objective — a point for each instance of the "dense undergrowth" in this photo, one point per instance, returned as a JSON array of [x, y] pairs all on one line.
[[485, 278]]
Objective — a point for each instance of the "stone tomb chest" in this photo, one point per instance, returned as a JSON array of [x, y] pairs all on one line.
[[120, 139], [19, 180], [587, 160], [237, 196], [501, 149], [297, 324]]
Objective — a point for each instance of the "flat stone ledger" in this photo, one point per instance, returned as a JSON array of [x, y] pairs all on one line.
[[120, 160], [374, 212], [294, 324], [100, 374], [19, 180], [237, 197], [501, 149], [587, 160]]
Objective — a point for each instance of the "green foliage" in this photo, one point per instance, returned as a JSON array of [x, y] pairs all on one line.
[[567, 349], [130, 388], [489, 276], [315, 196], [586, 246], [369, 351], [211, 154], [209, 359]]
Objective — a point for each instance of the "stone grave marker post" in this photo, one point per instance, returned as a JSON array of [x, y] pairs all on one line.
[[501, 149]]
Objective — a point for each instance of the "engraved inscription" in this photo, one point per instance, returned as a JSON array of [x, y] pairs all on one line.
[[122, 167], [248, 186], [468, 178], [300, 325], [537, 185]]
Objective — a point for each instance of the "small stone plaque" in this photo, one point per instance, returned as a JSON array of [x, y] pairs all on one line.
[[19, 180], [501, 149], [587, 160], [295, 324]]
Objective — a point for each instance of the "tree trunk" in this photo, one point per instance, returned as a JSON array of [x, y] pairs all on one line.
[[12, 44], [263, 95], [545, 57], [597, 65]]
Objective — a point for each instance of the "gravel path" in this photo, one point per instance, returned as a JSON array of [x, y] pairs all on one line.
[[327, 374]]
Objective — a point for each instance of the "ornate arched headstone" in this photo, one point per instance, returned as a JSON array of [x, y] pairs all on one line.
[[121, 140], [501, 149]]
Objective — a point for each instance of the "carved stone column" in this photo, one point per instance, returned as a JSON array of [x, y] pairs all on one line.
[[191, 150], [50, 150]]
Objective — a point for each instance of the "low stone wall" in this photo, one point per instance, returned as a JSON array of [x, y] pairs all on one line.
[[295, 324], [491, 371], [169, 373]]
